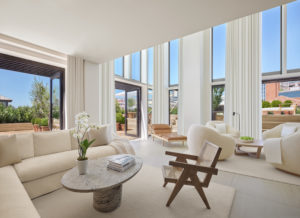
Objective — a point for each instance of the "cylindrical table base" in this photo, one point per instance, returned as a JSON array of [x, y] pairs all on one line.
[[108, 200]]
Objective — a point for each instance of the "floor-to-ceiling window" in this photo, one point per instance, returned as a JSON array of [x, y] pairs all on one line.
[[281, 65], [173, 82], [30, 93], [218, 71]]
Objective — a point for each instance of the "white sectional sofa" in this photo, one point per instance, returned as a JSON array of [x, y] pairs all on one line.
[[32, 165]]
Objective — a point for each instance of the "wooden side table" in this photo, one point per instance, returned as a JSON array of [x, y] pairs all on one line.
[[255, 144]]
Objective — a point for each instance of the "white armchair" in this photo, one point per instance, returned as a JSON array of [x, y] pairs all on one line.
[[197, 134], [286, 147], [229, 130]]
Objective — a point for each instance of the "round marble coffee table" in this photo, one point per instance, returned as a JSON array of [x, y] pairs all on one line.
[[106, 184]]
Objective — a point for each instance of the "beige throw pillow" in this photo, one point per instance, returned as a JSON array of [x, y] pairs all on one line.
[[51, 142], [102, 136], [25, 142], [9, 150]]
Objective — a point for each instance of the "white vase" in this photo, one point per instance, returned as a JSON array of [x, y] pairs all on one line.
[[82, 166]]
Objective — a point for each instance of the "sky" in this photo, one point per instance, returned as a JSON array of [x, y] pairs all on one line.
[[17, 86], [271, 45]]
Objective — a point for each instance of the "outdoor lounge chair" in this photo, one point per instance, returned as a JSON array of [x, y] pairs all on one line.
[[183, 173], [164, 133]]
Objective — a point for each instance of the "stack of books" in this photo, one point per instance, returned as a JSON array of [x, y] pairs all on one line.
[[121, 162]]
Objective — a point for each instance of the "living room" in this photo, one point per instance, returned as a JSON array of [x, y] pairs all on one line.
[[204, 95]]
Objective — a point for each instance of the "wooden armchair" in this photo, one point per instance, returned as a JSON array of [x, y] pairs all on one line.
[[198, 174]]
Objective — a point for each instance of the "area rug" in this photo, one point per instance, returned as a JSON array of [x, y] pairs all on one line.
[[254, 167], [154, 153], [143, 196]]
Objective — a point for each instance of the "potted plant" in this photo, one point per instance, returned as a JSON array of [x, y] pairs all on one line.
[[44, 124], [122, 122], [37, 122], [118, 121], [79, 132]]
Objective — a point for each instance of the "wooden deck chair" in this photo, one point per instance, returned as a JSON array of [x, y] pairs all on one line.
[[198, 174]]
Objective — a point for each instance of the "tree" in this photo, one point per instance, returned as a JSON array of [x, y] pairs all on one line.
[[131, 102], [55, 104], [40, 98], [217, 97]]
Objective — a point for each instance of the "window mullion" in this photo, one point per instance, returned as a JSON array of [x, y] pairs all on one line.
[[283, 39]]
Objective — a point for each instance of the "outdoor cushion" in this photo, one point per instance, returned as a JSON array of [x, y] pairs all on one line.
[[15, 202], [102, 135], [38, 167], [9, 150], [25, 142], [51, 142], [160, 126]]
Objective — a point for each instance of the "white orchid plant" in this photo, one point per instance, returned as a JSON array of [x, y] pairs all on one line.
[[82, 127]]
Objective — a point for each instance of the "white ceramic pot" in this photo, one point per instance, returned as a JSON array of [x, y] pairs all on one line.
[[82, 166]]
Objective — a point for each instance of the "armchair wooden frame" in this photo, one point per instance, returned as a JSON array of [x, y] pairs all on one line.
[[189, 172]]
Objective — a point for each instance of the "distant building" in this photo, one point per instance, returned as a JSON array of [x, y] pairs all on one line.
[[4, 100], [282, 91]]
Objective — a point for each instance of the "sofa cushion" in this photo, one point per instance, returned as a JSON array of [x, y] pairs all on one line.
[[9, 150], [25, 141], [102, 135], [15, 202], [38, 167], [51, 142], [41, 166], [101, 151]]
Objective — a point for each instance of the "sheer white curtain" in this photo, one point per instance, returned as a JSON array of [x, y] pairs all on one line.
[[74, 89], [107, 94], [160, 108], [243, 75]]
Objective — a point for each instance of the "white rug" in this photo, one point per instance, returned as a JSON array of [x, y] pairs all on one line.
[[143, 196], [154, 152], [250, 166]]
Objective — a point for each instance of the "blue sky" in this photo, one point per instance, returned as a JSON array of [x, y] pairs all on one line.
[[17, 86], [219, 51]]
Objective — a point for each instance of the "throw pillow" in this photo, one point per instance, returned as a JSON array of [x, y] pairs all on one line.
[[221, 127], [9, 150], [102, 135], [287, 130]]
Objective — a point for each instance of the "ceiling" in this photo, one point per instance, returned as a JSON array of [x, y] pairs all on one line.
[[100, 30]]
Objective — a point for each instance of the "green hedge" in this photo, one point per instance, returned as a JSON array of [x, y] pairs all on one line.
[[10, 114]]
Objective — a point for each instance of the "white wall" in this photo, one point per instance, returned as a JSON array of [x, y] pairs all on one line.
[[195, 80], [92, 92]]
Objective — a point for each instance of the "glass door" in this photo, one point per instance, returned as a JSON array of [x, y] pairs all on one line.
[[131, 127], [128, 108]]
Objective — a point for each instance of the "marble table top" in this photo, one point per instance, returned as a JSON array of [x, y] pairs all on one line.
[[98, 177]]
